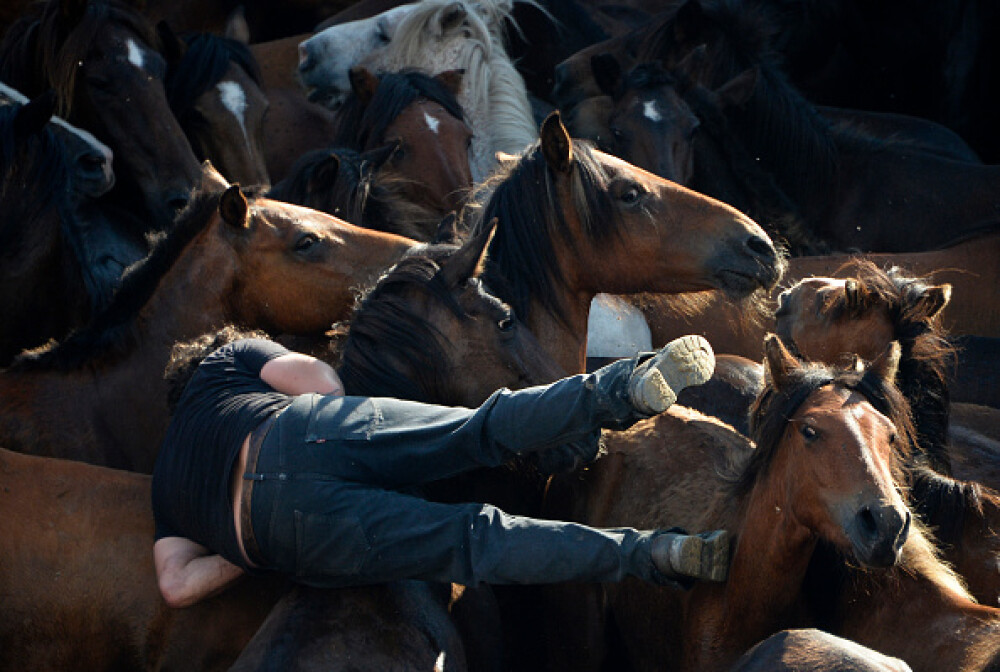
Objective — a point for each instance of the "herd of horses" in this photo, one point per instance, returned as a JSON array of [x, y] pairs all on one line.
[[441, 199]]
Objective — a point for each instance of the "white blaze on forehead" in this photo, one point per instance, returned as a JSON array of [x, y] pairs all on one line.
[[235, 100], [650, 111], [432, 122], [135, 54]]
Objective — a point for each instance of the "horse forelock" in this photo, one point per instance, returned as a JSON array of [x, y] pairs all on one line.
[[203, 65], [522, 264], [60, 50], [390, 349], [112, 331], [774, 407]]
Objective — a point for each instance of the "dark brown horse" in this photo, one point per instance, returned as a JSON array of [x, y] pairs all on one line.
[[67, 608], [260, 264], [117, 94], [824, 474], [213, 86], [359, 188], [421, 115]]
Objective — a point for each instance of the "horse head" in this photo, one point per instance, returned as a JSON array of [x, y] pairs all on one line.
[[830, 446]]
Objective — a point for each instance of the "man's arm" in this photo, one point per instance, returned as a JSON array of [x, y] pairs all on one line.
[[187, 572], [296, 373]]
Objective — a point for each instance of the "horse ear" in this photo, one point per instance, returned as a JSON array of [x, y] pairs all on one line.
[[607, 73], [364, 83], [452, 17], [451, 80], [778, 361], [233, 207], [324, 175], [556, 144], [71, 11], [688, 21], [737, 91], [32, 117], [211, 179], [886, 365], [468, 261], [447, 231], [237, 27], [173, 46], [694, 65], [380, 156], [934, 300]]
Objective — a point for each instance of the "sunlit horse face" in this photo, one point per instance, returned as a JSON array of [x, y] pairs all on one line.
[[297, 267], [119, 96], [326, 58], [836, 459], [807, 318], [89, 158]]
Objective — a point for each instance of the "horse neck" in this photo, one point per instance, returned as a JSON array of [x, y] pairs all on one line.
[[769, 564], [565, 340], [918, 614]]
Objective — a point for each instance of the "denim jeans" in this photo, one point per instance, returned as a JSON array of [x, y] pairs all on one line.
[[328, 507]]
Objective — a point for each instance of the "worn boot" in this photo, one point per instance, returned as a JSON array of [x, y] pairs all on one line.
[[702, 556], [681, 363]]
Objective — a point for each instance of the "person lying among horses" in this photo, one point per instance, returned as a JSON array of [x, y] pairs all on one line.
[[267, 466]]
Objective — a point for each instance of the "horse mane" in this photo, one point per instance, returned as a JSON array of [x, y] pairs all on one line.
[[391, 350], [112, 331], [361, 125], [926, 353], [202, 66], [522, 263], [944, 502], [40, 44], [35, 175], [491, 82], [372, 198]]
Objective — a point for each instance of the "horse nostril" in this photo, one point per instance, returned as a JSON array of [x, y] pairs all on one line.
[[867, 521], [761, 247]]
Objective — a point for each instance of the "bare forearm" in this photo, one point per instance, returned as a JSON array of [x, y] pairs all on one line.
[[198, 579]]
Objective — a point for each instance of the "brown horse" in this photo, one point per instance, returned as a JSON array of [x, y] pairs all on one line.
[[824, 473], [811, 650], [117, 94], [213, 86], [420, 114], [576, 221], [359, 188], [969, 267], [261, 264], [99, 607]]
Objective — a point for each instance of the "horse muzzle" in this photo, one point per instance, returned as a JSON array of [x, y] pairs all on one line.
[[878, 534]]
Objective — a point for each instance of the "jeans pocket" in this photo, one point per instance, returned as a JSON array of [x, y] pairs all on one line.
[[343, 418], [330, 545]]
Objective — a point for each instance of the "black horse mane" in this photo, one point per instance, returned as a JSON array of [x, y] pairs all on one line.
[[522, 263], [390, 350], [40, 52], [777, 124], [112, 330], [35, 175], [201, 67], [926, 353], [943, 502], [773, 407], [359, 125]]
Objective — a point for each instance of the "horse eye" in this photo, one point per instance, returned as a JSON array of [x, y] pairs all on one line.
[[892, 438], [809, 433], [381, 35], [632, 194], [306, 242], [506, 324]]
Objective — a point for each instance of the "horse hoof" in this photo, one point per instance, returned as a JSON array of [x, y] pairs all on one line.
[[683, 362]]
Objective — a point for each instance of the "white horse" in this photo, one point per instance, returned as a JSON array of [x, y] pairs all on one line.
[[439, 35]]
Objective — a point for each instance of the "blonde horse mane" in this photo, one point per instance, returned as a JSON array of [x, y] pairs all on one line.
[[493, 94]]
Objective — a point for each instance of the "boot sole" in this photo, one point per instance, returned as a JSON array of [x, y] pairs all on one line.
[[684, 362], [702, 557]]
